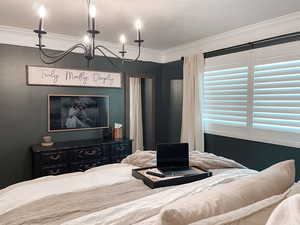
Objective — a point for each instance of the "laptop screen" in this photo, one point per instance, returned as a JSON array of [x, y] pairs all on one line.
[[172, 155]]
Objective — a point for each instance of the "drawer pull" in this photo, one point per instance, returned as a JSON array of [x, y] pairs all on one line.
[[121, 148], [54, 171], [80, 153], [55, 157], [91, 152]]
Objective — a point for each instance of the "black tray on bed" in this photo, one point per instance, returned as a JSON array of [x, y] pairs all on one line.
[[156, 182]]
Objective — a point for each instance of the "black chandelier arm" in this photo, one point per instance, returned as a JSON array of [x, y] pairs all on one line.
[[56, 55], [61, 56], [107, 57], [138, 55], [98, 47], [114, 54], [136, 59]]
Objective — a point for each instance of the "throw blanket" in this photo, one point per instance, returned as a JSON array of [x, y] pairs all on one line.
[[57, 209], [201, 159], [103, 195]]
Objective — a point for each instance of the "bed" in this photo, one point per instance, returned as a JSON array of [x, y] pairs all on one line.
[[107, 194]]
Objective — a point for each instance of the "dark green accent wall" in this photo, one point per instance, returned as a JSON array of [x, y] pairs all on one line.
[[23, 113], [255, 155]]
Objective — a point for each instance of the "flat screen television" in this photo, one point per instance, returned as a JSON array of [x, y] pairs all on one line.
[[77, 112]]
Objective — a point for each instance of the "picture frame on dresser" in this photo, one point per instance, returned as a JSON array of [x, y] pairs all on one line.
[[77, 112]]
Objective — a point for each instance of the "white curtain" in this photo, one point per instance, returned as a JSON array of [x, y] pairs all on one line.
[[192, 127], [136, 120]]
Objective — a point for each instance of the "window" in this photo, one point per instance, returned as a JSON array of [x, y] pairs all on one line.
[[225, 94], [255, 95], [276, 103]]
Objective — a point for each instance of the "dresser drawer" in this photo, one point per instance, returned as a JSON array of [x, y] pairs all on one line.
[[106, 150], [82, 166], [86, 153], [47, 171], [51, 158], [120, 151]]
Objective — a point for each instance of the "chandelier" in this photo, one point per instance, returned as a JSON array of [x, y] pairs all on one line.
[[88, 45]]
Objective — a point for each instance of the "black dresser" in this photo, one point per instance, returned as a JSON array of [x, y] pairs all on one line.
[[75, 156]]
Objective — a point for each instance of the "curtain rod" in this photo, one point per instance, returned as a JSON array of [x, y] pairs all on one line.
[[285, 38]]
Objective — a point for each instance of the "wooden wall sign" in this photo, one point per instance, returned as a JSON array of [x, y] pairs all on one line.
[[70, 77]]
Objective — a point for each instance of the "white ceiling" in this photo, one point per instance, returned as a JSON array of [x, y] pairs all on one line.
[[167, 23]]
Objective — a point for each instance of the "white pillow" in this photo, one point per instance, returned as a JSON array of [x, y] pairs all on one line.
[[231, 196], [287, 213], [254, 214]]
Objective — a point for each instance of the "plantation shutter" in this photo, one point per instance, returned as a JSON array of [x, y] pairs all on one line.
[[225, 96], [276, 103], [254, 95]]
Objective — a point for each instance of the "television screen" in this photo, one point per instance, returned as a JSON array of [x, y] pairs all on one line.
[[77, 112]]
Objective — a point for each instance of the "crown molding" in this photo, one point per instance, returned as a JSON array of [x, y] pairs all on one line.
[[26, 37], [269, 28]]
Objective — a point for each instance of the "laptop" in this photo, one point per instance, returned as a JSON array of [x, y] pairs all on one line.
[[173, 159]]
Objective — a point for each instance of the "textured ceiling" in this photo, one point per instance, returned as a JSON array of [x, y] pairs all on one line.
[[167, 23]]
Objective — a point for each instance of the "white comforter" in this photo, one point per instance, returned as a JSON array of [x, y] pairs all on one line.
[[145, 211], [141, 211]]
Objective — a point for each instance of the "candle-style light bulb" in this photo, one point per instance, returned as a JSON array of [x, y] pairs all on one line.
[[93, 15], [93, 11], [138, 26], [42, 14], [86, 40], [122, 39]]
